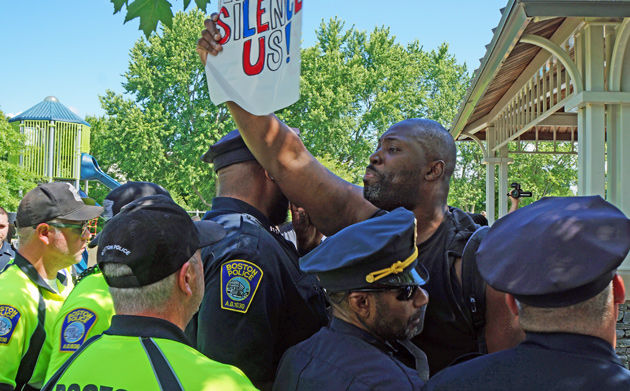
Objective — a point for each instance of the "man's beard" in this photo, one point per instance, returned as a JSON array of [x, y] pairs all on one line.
[[280, 211], [388, 196], [387, 328]]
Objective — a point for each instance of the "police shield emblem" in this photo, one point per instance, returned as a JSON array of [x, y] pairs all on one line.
[[239, 281], [9, 317], [76, 326]]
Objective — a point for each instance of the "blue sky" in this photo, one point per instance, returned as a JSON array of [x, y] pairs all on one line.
[[76, 49]]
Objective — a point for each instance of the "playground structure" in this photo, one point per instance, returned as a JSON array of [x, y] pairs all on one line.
[[555, 72], [57, 145]]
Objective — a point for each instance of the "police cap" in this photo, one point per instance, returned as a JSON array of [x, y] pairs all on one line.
[[124, 194], [154, 237], [556, 252], [230, 149], [379, 252]]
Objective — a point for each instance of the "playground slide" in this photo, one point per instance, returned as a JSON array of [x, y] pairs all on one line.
[[90, 171]]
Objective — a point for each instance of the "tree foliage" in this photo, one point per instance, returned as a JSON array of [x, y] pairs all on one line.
[[355, 85], [161, 133], [151, 12], [545, 175], [14, 179]]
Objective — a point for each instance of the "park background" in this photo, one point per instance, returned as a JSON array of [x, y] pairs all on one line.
[[365, 66]]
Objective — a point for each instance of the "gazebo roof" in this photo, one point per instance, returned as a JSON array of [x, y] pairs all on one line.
[[50, 110], [506, 57]]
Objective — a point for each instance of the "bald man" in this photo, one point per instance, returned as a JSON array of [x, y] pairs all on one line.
[[411, 168]]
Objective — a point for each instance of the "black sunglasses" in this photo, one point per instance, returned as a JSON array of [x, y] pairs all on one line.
[[405, 293]]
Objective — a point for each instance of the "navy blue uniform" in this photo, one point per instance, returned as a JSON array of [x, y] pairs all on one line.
[[6, 254], [544, 361], [257, 302], [344, 357]]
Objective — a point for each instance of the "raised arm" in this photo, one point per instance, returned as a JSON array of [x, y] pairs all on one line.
[[331, 202]]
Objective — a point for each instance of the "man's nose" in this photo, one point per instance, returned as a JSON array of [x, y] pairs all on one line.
[[375, 158], [421, 297]]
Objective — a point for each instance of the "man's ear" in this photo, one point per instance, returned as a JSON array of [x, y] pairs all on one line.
[[362, 303], [619, 289], [511, 303], [267, 174], [185, 279], [436, 171], [43, 232]]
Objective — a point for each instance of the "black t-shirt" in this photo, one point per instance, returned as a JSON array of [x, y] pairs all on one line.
[[448, 331]]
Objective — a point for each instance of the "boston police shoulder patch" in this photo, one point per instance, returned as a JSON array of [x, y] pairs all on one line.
[[9, 318], [76, 326], [239, 281]]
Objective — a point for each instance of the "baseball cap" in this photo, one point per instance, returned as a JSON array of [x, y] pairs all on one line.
[[154, 237], [56, 200], [378, 252], [555, 252], [124, 194]]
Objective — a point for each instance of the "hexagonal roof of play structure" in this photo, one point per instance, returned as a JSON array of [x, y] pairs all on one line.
[[50, 110]]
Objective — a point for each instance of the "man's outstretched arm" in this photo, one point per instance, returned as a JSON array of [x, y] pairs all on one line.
[[331, 202]]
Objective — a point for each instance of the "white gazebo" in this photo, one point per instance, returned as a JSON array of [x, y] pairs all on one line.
[[555, 72]]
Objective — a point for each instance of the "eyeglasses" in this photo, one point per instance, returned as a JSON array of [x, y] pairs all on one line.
[[80, 228], [405, 293]]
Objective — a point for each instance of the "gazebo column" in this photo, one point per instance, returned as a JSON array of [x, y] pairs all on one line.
[[503, 181], [589, 49], [618, 128], [490, 170]]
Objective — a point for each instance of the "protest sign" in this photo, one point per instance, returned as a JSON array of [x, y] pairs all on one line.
[[259, 67]]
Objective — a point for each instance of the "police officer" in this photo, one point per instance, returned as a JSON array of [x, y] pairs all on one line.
[[7, 252], [258, 302], [150, 258], [52, 229], [89, 308], [369, 272], [556, 259]]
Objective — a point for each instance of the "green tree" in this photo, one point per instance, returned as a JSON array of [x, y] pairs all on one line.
[[161, 133], [468, 183], [544, 174], [16, 181], [151, 12], [355, 85]]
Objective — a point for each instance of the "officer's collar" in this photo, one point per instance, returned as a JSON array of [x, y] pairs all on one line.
[[27, 268], [237, 206], [145, 326], [573, 343], [344, 327]]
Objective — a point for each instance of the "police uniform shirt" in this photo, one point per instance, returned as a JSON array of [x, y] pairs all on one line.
[[28, 307], [344, 357], [87, 311], [257, 301], [544, 361], [6, 254], [144, 353], [448, 331]]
